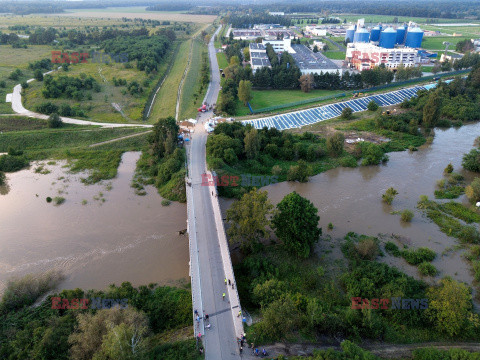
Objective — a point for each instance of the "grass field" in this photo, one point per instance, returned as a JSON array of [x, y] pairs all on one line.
[[336, 55], [436, 42], [166, 99], [138, 12], [473, 31], [191, 86], [100, 108], [217, 42], [389, 19], [55, 20], [266, 98], [222, 60]]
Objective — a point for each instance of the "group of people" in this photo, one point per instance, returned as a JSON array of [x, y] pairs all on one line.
[[256, 351], [205, 317]]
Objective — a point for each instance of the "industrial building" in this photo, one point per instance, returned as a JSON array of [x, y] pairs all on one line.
[[279, 45], [258, 56], [388, 37], [262, 31], [246, 34], [312, 63], [364, 56], [315, 30]]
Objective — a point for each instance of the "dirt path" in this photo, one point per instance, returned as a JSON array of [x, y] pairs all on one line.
[[118, 139]]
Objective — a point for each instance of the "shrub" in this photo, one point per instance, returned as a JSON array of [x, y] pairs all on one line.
[[389, 195], [348, 161], [49, 199], [471, 161], [448, 169], [347, 113], [165, 202], [24, 85], [3, 84], [276, 170], [54, 121], [58, 200], [407, 215], [372, 153], [37, 74], [473, 190], [3, 178], [298, 172], [9, 163], [372, 106], [330, 226], [392, 249], [335, 144], [427, 269], [47, 108], [415, 257], [368, 248]]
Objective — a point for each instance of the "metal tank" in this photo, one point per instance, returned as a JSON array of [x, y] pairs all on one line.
[[375, 33], [350, 34], [414, 38], [401, 31], [387, 38], [361, 35]]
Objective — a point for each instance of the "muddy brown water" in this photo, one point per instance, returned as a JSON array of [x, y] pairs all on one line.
[[350, 198], [124, 238]]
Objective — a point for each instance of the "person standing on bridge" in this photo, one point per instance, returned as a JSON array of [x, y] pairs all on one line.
[[225, 281], [223, 296]]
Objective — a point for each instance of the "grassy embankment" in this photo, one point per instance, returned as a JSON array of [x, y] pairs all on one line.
[[71, 142]]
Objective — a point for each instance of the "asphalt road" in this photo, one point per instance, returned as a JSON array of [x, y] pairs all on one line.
[[220, 340]]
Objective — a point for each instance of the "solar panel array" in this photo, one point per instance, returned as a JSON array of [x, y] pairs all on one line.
[[310, 116]]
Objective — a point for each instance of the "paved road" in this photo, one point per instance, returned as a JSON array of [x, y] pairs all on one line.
[[209, 258]]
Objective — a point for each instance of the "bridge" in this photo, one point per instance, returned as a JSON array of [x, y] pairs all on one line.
[[210, 262]]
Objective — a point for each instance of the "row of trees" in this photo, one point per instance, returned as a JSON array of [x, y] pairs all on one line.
[[69, 86]]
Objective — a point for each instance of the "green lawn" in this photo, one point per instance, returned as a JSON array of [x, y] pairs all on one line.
[[336, 55], [222, 60], [436, 42], [389, 19], [266, 98], [473, 31]]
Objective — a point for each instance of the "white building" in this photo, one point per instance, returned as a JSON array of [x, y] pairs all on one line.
[[258, 56], [276, 13], [279, 46], [315, 30], [363, 56]]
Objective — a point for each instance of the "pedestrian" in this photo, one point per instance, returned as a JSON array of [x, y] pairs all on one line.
[[199, 335], [241, 342], [229, 282], [223, 295], [239, 313], [201, 350], [241, 349], [233, 286], [196, 312], [225, 281], [198, 319], [206, 317]]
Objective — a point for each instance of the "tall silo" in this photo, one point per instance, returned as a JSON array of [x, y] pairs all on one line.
[[350, 34], [387, 38], [414, 38], [375, 33], [401, 31], [361, 35]]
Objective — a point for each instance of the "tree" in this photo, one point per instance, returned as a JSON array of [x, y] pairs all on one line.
[[372, 106], [252, 143], [296, 224], [245, 91], [347, 113], [249, 219], [473, 190], [298, 172], [54, 121], [234, 60], [431, 110], [315, 49], [471, 161], [306, 82], [280, 318], [335, 144], [246, 54], [99, 336], [163, 139], [389, 195], [449, 306], [38, 75]]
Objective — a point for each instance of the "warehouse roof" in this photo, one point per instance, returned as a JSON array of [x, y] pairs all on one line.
[[307, 59]]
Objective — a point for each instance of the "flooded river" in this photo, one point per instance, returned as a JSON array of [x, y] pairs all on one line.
[[101, 234], [350, 198]]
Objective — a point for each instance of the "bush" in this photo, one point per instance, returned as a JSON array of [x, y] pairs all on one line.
[[389, 195], [448, 169], [347, 113], [471, 161], [3, 84], [298, 172], [368, 248], [392, 249], [165, 202], [54, 121], [427, 269], [407, 215], [47, 108], [9, 163], [58, 200], [372, 153], [473, 190], [24, 85], [372, 106], [415, 257], [38, 75], [276, 170], [335, 144], [330, 226], [3, 178]]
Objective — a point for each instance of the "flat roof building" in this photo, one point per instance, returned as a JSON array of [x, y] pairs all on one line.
[[312, 63], [258, 56]]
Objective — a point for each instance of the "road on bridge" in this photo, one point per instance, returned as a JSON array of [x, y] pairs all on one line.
[[210, 264]]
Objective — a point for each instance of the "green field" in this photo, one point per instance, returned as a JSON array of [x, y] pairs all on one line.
[[266, 98], [473, 31], [436, 42], [166, 99], [389, 19], [222, 60], [189, 103], [336, 55]]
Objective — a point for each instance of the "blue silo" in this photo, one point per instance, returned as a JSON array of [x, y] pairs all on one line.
[[387, 38], [414, 38], [361, 35], [350, 34], [401, 31], [375, 33]]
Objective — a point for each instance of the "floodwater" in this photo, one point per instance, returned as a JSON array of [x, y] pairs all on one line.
[[124, 237], [350, 198]]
